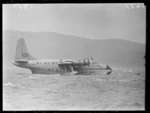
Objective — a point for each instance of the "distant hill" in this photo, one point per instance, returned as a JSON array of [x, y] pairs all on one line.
[[50, 45]]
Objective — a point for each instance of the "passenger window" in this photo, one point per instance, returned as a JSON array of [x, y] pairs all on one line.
[[37, 63]]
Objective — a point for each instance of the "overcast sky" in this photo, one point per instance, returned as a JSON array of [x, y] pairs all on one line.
[[94, 21]]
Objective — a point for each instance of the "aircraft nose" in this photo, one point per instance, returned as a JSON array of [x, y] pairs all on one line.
[[109, 72], [108, 67]]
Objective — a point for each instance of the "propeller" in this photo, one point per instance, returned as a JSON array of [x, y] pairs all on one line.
[[88, 61], [84, 62], [91, 58]]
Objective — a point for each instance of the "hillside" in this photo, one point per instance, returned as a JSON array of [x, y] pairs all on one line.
[[50, 45]]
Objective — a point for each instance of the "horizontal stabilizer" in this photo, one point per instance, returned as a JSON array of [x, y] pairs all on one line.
[[21, 61]]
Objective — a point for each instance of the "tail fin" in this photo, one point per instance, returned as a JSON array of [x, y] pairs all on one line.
[[22, 52]]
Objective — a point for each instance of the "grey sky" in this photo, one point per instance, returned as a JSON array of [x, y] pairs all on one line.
[[94, 21]]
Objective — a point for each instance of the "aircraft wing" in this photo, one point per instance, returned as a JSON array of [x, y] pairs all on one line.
[[76, 62], [68, 67], [65, 63]]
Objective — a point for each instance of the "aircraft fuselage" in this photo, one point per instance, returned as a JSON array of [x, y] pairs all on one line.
[[52, 67], [66, 66]]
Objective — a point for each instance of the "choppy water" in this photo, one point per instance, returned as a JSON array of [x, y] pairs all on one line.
[[124, 89]]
